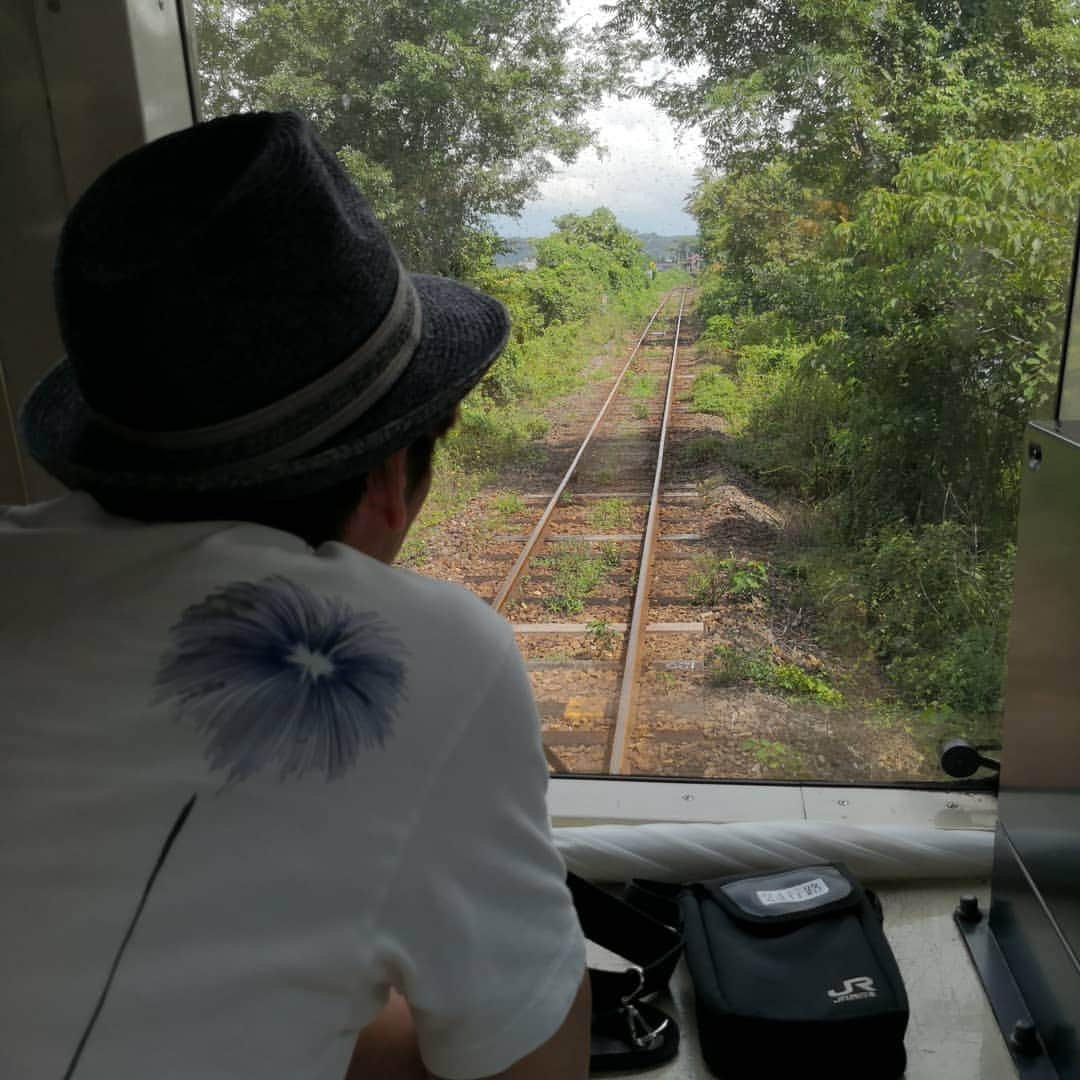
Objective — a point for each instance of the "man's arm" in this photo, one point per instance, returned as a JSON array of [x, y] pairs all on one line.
[[387, 1048], [566, 1053], [478, 929]]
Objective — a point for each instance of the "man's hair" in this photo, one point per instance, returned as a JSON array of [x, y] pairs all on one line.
[[315, 518]]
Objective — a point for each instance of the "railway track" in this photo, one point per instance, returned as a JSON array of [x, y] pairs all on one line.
[[639, 569], [585, 571]]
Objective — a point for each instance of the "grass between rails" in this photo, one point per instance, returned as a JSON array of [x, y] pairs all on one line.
[[610, 513], [574, 574]]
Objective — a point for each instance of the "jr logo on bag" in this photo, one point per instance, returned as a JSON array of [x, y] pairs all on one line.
[[854, 990], [797, 894]]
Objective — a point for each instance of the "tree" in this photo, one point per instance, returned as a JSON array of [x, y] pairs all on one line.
[[585, 259], [754, 225], [601, 228], [946, 296], [845, 91], [444, 111]]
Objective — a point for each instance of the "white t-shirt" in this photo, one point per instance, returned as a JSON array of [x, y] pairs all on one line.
[[248, 787]]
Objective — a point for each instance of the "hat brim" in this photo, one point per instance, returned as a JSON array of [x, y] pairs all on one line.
[[463, 332]]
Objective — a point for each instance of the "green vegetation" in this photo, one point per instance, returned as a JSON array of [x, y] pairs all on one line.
[[444, 113], [730, 665], [574, 574], [714, 391], [641, 386], [607, 473], [934, 619], [887, 227], [712, 579], [886, 221], [611, 513], [588, 289], [500, 423], [745, 578], [670, 248], [703, 452], [610, 554], [507, 504], [602, 638], [456, 486], [776, 756]]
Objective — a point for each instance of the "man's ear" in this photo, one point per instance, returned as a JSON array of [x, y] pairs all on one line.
[[379, 521], [385, 493]]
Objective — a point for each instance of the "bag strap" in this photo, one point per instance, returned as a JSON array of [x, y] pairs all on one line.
[[658, 899], [652, 946]]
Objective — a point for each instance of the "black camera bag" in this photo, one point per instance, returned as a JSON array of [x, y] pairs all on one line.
[[793, 976]]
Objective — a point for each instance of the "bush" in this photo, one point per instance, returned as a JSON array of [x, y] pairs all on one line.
[[785, 414], [719, 332], [702, 452], [486, 438], [712, 580], [731, 665], [939, 611], [715, 392]]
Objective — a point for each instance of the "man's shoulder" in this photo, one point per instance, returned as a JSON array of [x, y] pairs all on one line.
[[430, 607], [221, 565]]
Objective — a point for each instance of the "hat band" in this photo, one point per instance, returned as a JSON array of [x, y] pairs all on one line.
[[402, 320]]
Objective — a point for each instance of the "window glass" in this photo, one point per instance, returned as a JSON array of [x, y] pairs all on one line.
[[866, 216], [1069, 408]]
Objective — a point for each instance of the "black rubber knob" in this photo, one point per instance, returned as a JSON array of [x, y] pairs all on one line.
[[968, 909], [959, 758], [1024, 1038]]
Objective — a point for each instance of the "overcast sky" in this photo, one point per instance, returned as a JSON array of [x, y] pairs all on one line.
[[644, 177]]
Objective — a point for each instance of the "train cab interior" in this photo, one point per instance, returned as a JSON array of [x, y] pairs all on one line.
[[765, 712]]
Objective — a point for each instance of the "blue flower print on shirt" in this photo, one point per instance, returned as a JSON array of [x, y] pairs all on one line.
[[279, 676]]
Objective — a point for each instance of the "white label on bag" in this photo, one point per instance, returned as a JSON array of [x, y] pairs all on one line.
[[797, 894]]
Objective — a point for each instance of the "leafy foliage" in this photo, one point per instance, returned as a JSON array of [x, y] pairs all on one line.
[[507, 504], [939, 614], [642, 386], [730, 665], [444, 111], [844, 92], [610, 554], [602, 637], [888, 227], [939, 306], [586, 266], [714, 391], [712, 579]]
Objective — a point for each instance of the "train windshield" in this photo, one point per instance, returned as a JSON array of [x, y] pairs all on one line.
[[786, 284]]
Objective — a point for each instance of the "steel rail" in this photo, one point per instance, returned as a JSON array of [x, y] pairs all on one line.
[[635, 634], [534, 537]]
